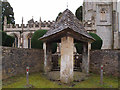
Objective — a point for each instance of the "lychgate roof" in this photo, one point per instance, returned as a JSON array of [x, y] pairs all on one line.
[[67, 20]]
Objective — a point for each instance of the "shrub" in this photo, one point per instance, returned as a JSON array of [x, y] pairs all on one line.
[[9, 41], [79, 47], [6, 39], [3, 37], [54, 47], [35, 43], [38, 44], [96, 45]]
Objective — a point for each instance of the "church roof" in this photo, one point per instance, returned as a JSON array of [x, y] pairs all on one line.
[[67, 20]]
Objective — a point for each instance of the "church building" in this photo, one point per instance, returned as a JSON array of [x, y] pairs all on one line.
[[102, 18], [23, 33]]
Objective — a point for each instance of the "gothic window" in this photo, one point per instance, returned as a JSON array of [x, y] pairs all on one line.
[[15, 44], [103, 14], [29, 39], [29, 42]]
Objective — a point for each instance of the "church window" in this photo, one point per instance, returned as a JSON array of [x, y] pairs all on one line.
[[103, 14], [29, 42], [15, 44]]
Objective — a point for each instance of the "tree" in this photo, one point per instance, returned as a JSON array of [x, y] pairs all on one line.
[[7, 11], [78, 13]]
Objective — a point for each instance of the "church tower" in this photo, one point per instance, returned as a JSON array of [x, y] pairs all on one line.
[[101, 18]]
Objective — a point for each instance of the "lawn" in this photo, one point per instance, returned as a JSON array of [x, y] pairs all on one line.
[[40, 81]]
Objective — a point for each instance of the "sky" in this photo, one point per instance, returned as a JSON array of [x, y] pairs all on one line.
[[46, 9]]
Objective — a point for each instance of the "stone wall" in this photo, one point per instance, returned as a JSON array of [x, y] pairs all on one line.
[[108, 58], [15, 60]]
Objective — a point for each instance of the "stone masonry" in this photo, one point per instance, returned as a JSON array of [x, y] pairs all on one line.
[[108, 58], [101, 17], [66, 70], [23, 33], [15, 60]]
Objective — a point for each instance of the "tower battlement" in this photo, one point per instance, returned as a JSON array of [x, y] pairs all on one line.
[[31, 25]]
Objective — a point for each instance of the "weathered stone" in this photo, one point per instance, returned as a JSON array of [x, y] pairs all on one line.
[[48, 57], [55, 75], [107, 58], [66, 70], [102, 18], [15, 60], [85, 63]]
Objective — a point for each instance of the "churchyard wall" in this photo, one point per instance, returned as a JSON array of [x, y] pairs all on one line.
[[108, 58], [15, 61]]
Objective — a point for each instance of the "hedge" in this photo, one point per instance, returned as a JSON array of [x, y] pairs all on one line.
[[38, 44], [96, 45], [6, 39], [79, 47], [3, 36], [9, 41], [35, 43]]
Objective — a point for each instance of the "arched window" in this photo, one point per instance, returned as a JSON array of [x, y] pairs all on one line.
[[29, 39], [29, 42], [103, 14], [15, 44]]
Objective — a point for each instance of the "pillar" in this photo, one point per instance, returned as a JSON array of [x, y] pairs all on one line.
[[47, 57], [89, 48], [85, 58], [66, 69]]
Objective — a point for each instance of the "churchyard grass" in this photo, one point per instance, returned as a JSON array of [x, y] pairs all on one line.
[[37, 80]]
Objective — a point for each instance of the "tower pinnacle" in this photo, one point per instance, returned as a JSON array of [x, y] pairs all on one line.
[[5, 22], [40, 23]]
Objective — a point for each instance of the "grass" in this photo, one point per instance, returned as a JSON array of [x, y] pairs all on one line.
[[40, 81]]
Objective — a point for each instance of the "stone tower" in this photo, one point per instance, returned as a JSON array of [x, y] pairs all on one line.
[[102, 18]]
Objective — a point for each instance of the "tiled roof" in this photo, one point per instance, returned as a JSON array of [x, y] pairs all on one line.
[[67, 20]]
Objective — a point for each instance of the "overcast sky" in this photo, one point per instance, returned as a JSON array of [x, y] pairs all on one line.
[[46, 9]]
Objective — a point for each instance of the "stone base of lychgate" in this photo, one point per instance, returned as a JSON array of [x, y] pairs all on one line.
[[77, 77]]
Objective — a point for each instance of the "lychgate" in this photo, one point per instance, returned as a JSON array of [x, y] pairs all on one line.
[[67, 30]]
